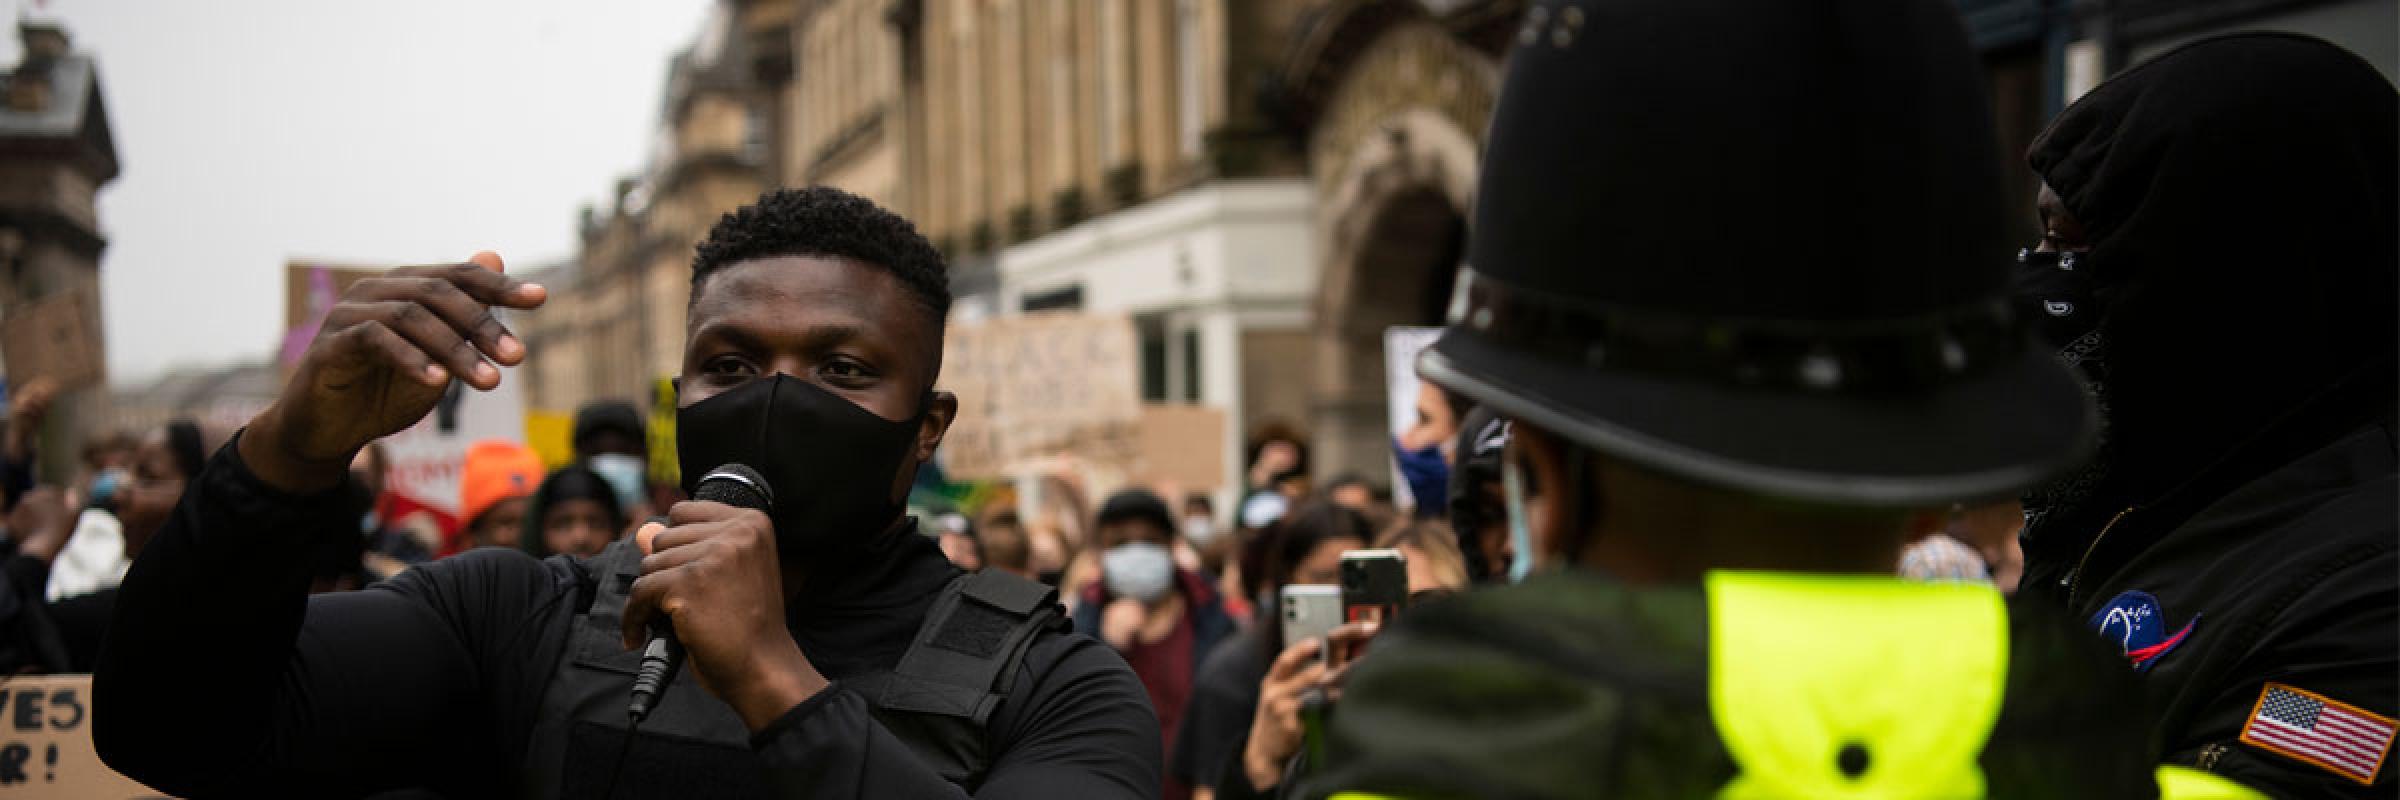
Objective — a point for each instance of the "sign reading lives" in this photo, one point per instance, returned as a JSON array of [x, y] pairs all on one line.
[[46, 743]]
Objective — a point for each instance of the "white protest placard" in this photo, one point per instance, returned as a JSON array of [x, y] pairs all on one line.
[[1401, 344], [426, 459]]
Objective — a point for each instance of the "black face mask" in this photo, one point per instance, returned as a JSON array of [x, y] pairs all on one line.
[[829, 462], [2056, 291]]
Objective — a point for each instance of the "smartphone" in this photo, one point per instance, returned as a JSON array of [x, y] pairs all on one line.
[[1374, 585], [1309, 612]]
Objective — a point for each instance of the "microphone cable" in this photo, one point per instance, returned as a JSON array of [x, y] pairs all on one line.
[[623, 748]]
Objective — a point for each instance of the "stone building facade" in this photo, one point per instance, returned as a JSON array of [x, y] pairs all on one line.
[[56, 151], [614, 324]]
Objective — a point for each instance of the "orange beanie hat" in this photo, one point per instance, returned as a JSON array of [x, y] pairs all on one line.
[[496, 470]]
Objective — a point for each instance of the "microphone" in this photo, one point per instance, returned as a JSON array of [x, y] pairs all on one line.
[[734, 485]]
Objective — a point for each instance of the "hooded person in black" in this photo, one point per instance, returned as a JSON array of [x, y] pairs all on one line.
[[812, 353], [2220, 264]]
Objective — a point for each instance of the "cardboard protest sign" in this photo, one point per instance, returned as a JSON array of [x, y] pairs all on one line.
[[1183, 446], [1401, 344], [56, 337], [46, 743], [1037, 385]]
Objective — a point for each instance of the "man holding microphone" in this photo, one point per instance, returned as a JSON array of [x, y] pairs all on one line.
[[832, 651]]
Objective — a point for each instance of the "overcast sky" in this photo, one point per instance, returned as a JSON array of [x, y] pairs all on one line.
[[256, 131]]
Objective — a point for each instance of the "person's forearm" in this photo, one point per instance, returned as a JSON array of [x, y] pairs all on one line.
[[1263, 770], [209, 611], [264, 452], [784, 680]]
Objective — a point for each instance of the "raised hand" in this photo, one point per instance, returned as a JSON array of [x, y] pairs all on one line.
[[382, 360]]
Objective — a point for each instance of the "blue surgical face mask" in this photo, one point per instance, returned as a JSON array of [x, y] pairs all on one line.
[[1428, 477], [1520, 533], [625, 475]]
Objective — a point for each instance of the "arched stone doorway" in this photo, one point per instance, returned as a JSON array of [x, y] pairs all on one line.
[[1394, 158], [1400, 274]]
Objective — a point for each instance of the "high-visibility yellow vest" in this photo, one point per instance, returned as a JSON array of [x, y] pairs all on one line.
[[1828, 686]]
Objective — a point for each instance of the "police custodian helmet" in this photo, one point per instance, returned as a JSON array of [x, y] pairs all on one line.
[[1759, 245]]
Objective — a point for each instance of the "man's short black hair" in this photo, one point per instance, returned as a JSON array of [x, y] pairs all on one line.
[[825, 221]]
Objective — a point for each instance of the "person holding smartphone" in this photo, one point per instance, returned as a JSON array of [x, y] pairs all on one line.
[[1308, 675], [1304, 548]]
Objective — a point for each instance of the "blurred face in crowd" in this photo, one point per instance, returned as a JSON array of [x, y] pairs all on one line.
[[1008, 549], [2061, 232], [960, 549], [1436, 423], [1353, 496], [1123, 531], [849, 328], [151, 496], [577, 527], [500, 525], [612, 442], [1323, 565]]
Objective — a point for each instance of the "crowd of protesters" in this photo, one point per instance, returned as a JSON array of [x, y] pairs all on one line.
[[2206, 431]]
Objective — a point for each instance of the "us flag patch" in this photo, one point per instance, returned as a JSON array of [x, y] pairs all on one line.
[[2310, 727]]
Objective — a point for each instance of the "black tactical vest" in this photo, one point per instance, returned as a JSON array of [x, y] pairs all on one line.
[[962, 665]]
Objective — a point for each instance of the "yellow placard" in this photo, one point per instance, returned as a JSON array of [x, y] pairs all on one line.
[[551, 434]]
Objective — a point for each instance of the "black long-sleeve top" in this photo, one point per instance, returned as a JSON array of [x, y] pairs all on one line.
[[222, 677]]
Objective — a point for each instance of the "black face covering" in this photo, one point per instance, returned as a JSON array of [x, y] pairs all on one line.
[[829, 462], [2054, 289], [2239, 199]]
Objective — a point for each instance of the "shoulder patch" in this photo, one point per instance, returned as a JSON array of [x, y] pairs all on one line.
[[2314, 729], [2138, 624]]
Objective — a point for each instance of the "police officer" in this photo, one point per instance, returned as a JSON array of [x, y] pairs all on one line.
[[1726, 424]]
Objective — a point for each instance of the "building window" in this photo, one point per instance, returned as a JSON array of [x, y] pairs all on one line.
[[1191, 365], [754, 133], [1066, 299], [1153, 332]]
